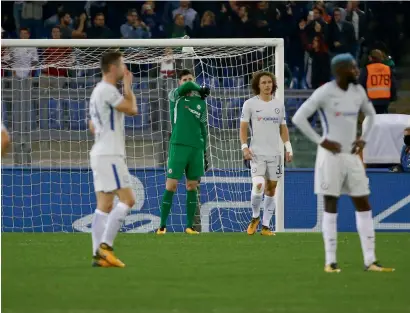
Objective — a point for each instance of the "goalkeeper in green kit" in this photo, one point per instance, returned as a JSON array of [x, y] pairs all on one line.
[[187, 149]]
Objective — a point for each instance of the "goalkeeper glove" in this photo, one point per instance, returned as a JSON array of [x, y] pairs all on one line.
[[204, 92], [206, 163]]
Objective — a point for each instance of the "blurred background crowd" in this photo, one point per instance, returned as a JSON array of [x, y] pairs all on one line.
[[313, 31]]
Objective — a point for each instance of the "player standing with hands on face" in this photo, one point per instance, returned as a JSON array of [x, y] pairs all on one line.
[[339, 168], [187, 149], [107, 157], [265, 116]]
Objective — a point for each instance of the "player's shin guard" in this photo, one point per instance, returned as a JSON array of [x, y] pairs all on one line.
[[114, 222], [365, 228], [166, 207], [98, 225], [329, 229], [268, 210], [191, 203]]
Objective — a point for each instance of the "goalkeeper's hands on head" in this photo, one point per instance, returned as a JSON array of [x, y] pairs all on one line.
[[204, 92]]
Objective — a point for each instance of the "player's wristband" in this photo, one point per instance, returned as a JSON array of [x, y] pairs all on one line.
[[288, 147], [244, 146]]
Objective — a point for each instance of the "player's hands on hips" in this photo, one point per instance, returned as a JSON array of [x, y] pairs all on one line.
[[204, 92], [358, 146], [247, 154], [289, 157], [332, 146], [127, 77]]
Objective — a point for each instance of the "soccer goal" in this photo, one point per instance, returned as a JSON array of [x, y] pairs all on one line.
[[47, 183]]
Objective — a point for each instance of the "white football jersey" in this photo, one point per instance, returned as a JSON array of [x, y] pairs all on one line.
[[264, 120], [338, 111], [108, 122]]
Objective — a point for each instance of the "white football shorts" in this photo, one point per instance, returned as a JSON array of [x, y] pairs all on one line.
[[269, 167], [341, 173], [110, 173]]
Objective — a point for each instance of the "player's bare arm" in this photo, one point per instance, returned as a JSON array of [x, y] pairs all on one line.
[[300, 119], [129, 104], [368, 109], [91, 127], [5, 141], [284, 134], [243, 135]]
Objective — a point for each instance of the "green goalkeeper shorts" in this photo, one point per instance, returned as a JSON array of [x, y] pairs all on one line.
[[184, 159]]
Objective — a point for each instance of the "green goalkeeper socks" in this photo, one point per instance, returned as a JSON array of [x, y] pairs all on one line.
[[166, 206], [191, 203]]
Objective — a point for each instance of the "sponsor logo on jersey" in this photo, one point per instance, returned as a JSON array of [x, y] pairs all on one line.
[[170, 171], [268, 119], [198, 107], [196, 113], [277, 111]]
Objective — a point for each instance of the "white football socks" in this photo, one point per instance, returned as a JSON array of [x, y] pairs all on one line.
[[115, 220], [256, 200], [365, 228], [98, 225], [329, 228], [269, 207]]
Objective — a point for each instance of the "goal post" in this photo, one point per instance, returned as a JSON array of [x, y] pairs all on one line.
[[50, 153]]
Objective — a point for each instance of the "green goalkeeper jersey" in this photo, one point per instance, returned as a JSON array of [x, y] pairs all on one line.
[[188, 116]]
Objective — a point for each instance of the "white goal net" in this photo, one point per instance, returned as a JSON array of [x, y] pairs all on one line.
[[47, 183]]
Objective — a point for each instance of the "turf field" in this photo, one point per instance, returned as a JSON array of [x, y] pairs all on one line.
[[218, 273]]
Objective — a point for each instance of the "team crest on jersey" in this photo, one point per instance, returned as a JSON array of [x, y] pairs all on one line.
[[277, 111]]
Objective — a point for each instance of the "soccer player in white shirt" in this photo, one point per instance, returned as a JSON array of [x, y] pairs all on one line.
[[265, 116], [339, 169], [107, 156]]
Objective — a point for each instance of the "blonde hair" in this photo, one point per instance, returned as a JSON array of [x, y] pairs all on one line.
[[206, 14]]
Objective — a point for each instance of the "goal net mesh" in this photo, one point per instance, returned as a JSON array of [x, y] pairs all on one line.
[[47, 183]]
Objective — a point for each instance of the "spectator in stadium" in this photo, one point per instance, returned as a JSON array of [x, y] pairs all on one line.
[[99, 30], [32, 17], [179, 30], [379, 82], [405, 152], [54, 19], [242, 24], [150, 18], [358, 19], [53, 76], [341, 34], [134, 28], [189, 14], [207, 28], [262, 18], [319, 65], [66, 31], [404, 165], [24, 58], [167, 68]]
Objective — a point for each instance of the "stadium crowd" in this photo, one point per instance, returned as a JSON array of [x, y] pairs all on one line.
[[313, 31]]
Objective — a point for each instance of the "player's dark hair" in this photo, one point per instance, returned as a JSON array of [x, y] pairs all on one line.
[[183, 73], [108, 59], [257, 77]]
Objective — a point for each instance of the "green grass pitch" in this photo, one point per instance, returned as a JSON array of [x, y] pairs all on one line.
[[209, 273]]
